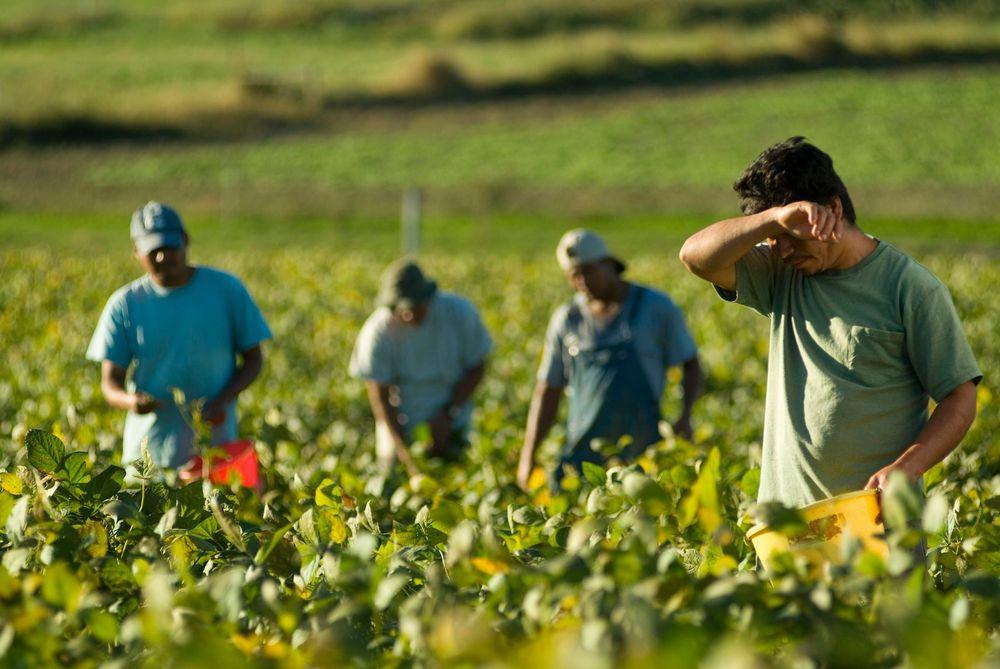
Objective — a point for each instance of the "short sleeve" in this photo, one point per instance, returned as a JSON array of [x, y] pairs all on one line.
[[936, 344], [250, 328], [476, 340], [678, 345], [756, 273], [552, 370], [371, 358], [110, 340]]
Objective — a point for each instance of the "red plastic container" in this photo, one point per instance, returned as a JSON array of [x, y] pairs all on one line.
[[239, 462]]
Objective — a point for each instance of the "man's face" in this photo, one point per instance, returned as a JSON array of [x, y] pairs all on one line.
[[412, 316], [597, 280], [167, 265], [806, 255]]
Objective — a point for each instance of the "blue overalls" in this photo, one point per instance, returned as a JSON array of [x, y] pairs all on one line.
[[610, 395]]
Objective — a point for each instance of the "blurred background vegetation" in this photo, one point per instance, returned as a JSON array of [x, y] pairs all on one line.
[[310, 117]]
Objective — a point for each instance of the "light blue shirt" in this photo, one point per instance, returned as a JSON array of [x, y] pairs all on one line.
[[423, 362], [660, 337], [185, 337]]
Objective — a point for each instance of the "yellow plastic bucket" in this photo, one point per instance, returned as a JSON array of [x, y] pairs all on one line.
[[855, 514]]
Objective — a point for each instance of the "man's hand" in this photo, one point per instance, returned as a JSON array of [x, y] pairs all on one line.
[[441, 433], [682, 428], [214, 411], [880, 479], [143, 403], [808, 220]]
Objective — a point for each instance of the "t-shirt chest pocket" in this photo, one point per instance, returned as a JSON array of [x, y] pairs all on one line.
[[877, 356]]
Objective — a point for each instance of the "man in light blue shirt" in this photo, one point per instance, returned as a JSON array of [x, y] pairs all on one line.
[[191, 328], [421, 353], [610, 347]]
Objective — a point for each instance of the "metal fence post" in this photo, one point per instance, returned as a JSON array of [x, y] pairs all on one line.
[[410, 221]]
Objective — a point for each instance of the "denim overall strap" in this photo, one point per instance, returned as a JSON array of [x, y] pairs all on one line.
[[611, 396]]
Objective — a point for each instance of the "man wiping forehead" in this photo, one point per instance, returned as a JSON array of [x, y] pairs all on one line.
[[862, 336]]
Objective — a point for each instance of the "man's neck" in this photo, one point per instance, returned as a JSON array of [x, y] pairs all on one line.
[[609, 305], [183, 280], [855, 247]]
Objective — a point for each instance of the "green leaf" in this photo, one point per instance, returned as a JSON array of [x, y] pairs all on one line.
[[594, 474], [60, 587], [103, 625], [272, 543], [901, 502], [75, 468], [307, 527], [6, 505], [45, 450], [191, 496], [387, 589], [780, 518], [11, 483], [328, 494], [703, 501], [107, 484], [117, 575], [17, 520]]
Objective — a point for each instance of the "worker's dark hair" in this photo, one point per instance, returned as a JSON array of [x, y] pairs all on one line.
[[788, 172]]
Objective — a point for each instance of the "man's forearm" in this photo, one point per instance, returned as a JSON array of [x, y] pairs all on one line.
[[951, 419], [385, 412], [245, 374], [722, 244], [116, 395], [467, 385], [541, 417], [113, 387]]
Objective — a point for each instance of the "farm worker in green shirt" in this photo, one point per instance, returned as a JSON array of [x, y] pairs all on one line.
[[421, 354], [862, 336], [179, 326], [610, 347]]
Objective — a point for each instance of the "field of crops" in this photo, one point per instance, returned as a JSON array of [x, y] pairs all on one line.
[[336, 565]]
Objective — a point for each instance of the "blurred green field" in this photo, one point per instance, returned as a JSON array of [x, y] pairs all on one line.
[[647, 153], [326, 109]]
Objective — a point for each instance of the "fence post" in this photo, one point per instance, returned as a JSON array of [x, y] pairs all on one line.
[[410, 221]]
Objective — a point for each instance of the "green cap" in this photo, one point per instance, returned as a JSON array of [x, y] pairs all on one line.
[[404, 285]]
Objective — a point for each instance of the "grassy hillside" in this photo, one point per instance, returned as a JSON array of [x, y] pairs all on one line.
[[326, 109], [645, 154]]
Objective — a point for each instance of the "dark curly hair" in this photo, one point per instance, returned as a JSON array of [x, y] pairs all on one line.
[[788, 172]]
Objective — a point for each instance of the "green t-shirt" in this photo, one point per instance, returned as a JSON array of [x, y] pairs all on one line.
[[854, 356]]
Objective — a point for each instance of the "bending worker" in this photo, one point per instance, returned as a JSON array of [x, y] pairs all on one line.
[[421, 353], [611, 345], [182, 326], [862, 336]]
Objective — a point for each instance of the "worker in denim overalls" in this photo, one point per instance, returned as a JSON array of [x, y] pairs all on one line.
[[609, 348]]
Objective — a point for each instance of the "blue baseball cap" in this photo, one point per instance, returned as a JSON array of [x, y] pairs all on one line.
[[156, 225]]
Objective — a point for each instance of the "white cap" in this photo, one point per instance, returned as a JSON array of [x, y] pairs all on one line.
[[579, 247]]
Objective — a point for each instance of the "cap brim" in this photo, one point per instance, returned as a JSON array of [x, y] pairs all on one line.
[[158, 240], [566, 267], [409, 301]]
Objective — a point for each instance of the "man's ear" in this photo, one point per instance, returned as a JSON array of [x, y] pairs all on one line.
[[837, 207]]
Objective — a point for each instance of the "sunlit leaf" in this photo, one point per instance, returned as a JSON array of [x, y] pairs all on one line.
[[45, 450]]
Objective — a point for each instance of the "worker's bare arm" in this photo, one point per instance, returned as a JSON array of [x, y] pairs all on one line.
[[116, 395], [951, 419], [385, 412], [712, 253], [541, 416]]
